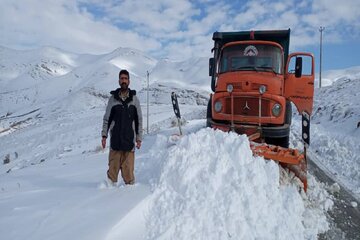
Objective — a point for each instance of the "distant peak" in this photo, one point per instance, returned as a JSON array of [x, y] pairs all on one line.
[[125, 53], [122, 51]]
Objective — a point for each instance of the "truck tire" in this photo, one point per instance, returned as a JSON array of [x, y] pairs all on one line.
[[284, 141], [281, 142], [288, 113], [208, 114]]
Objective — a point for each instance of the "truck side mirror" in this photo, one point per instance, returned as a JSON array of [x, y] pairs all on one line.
[[211, 66], [298, 67]]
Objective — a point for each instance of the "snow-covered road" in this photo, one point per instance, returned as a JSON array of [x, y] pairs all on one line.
[[186, 188], [206, 185]]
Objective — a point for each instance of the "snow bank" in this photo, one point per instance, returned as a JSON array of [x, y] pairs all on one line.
[[335, 131], [211, 187]]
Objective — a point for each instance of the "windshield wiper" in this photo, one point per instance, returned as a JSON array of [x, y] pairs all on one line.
[[247, 67], [267, 68], [257, 68]]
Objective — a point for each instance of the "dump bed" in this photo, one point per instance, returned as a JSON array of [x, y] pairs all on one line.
[[281, 37]]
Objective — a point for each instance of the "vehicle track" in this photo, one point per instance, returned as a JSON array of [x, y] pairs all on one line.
[[343, 217]]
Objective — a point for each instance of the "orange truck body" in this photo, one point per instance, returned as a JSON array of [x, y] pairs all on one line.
[[243, 63], [255, 81]]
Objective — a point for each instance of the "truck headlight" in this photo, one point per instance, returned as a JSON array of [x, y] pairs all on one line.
[[229, 88], [262, 89], [276, 110], [218, 106]]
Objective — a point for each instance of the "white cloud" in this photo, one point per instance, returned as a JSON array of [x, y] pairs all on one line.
[[339, 17], [254, 12], [175, 29], [213, 15], [63, 24], [162, 15]]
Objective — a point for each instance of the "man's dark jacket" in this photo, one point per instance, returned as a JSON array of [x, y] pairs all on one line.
[[124, 120]]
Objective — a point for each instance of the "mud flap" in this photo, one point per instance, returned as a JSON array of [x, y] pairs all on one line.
[[306, 129]]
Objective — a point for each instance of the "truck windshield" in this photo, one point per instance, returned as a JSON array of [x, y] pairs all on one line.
[[258, 57]]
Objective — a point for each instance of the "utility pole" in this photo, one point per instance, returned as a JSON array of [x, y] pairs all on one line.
[[147, 109], [321, 29]]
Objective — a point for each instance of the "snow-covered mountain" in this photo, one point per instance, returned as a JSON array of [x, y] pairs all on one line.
[[336, 128], [30, 79], [331, 76], [52, 170]]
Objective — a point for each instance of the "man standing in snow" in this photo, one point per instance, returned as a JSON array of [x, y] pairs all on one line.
[[124, 120]]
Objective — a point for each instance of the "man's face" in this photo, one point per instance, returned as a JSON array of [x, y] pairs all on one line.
[[124, 81]]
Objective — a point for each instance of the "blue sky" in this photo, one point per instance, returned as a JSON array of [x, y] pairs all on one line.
[[180, 29]]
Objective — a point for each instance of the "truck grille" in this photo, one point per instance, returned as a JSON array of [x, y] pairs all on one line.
[[248, 106]]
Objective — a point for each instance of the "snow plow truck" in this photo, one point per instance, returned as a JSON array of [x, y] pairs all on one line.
[[254, 80]]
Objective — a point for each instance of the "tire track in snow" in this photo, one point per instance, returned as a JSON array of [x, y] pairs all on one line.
[[344, 218]]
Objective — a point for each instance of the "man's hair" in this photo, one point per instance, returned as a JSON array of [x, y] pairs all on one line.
[[124, 72]]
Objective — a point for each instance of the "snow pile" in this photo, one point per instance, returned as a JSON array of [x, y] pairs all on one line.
[[317, 202], [211, 187], [335, 131], [335, 135], [336, 105]]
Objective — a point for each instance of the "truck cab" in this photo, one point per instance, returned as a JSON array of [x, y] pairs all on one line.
[[254, 80]]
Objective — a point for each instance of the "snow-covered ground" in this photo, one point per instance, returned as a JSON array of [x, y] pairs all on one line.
[[53, 184], [335, 129]]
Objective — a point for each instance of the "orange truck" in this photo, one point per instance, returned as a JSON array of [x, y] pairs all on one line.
[[254, 80]]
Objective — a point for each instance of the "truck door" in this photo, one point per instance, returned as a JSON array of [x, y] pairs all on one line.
[[299, 83]]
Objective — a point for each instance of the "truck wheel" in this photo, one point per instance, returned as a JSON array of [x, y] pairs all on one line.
[[288, 113], [208, 114], [284, 141], [281, 142]]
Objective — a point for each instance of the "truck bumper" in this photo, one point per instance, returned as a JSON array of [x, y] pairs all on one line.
[[265, 131]]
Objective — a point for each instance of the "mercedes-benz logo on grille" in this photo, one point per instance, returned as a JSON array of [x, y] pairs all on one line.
[[246, 106]]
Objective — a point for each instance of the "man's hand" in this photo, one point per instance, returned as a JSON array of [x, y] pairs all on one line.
[[103, 142], [138, 144]]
